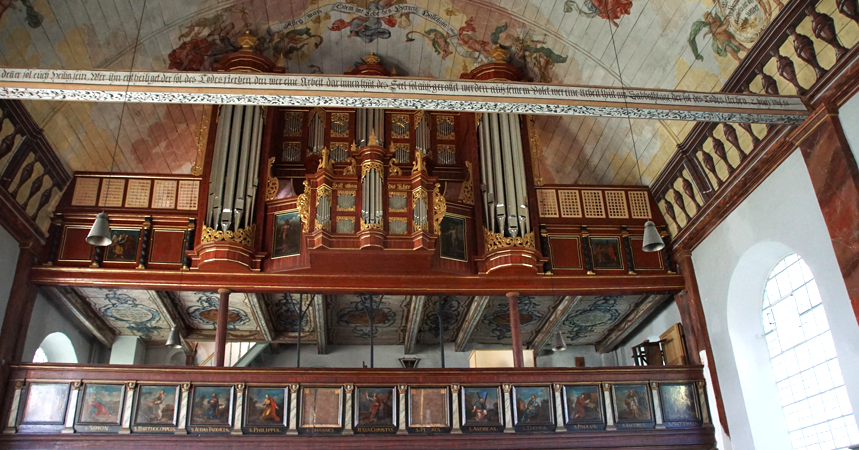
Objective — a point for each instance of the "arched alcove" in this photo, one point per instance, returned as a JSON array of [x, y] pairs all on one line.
[[58, 348], [757, 379]]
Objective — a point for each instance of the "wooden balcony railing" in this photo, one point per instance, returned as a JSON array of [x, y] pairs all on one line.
[[800, 53], [76, 406]]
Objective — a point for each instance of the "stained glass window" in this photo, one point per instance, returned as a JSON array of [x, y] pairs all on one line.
[[807, 373]]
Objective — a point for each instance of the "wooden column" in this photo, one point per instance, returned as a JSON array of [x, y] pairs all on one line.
[[835, 178], [695, 327], [221, 330], [515, 329], [13, 335]]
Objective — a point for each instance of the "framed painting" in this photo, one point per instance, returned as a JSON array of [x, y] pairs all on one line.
[[100, 408], [606, 253], [680, 406], [123, 245], [452, 238], [286, 240], [429, 410], [321, 410], [44, 408], [375, 410], [632, 406], [156, 409], [481, 409], [583, 407], [211, 409], [533, 410], [266, 410]]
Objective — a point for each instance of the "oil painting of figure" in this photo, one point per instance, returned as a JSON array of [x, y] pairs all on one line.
[[211, 405], [265, 406], [102, 403], [156, 405]]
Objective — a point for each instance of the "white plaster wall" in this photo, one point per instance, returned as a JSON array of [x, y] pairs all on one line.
[[387, 356], [662, 319], [781, 217], [49, 317], [849, 116], [8, 263]]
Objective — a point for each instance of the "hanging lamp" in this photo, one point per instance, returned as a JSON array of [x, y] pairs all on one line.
[[651, 241], [558, 344], [99, 234], [175, 339]]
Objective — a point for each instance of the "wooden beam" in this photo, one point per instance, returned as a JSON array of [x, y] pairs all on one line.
[[167, 303], [319, 319], [82, 310], [472, 319], [428, 283], [554, 321], [396, 93], [261, 315], [416, 315], [639, 313]]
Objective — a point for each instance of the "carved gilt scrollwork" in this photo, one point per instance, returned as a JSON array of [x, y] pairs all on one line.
[[418, 166], [350, 169], [242, 236], [393, 170], [271, 185], [467, 194], [439, 208], [202, 139], [536, 151], [495, 241], [367, 166], [325, 161], [303, 204]]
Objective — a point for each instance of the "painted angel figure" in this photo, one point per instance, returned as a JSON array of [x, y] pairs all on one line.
[[724, 42], [611, 10]]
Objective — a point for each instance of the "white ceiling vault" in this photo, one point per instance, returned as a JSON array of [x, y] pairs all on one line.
[[554, 41]]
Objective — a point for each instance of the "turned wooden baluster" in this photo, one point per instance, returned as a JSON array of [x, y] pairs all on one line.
[[850, 9], [824, 29], [748, 128], [804, 48], [707, 159], [731, 135], [8, 141], [769, 83], [669, 209], [787, 70], [689, 190], [43, 200], [26, 173], [719, 148], [34, 189], [678, 200]]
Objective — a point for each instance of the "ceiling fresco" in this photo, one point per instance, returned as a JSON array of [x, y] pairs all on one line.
[[142, 313], [667, 44], [129, 312]]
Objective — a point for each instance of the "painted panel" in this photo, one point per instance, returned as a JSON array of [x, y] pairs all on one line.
[[131, 312]]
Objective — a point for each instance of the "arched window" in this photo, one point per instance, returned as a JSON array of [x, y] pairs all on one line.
[[56, 348], [807, 373]]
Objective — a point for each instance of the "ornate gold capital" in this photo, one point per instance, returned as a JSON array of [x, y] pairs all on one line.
[[293, 388], [349, 388], [367, 166], [130, 385], [240, 388], [401, 389], [186, 387], [506, 388], [557, 387], [76, 385]]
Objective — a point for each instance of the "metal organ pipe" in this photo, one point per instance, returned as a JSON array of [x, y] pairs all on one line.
[[235, 165], [502, 169], [360, 132]]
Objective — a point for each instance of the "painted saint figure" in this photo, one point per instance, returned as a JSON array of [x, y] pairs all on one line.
[[480, 410], [214, 408], [157, 405], [269, 411], [632, 403], [531, 408]]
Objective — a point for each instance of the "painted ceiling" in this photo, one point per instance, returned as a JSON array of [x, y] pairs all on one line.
[[145, 313], [664, 44]]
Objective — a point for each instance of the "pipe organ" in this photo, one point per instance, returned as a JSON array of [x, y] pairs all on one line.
[[233, 179], [505, 202], [370, 125]]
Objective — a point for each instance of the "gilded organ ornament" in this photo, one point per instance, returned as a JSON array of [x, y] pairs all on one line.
[[536, 151], [202, 139], [242, 236], [418, 166], [495, 241], [271, 185], [440, 208], [303, 204], [467, 194], [393, 169], [325, 161], [350, 169]]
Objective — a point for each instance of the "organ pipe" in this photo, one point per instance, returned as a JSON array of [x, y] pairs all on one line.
[[371, 196], [317, 133], [502, 170], [233, 181], [369, 121], [422, 135]]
